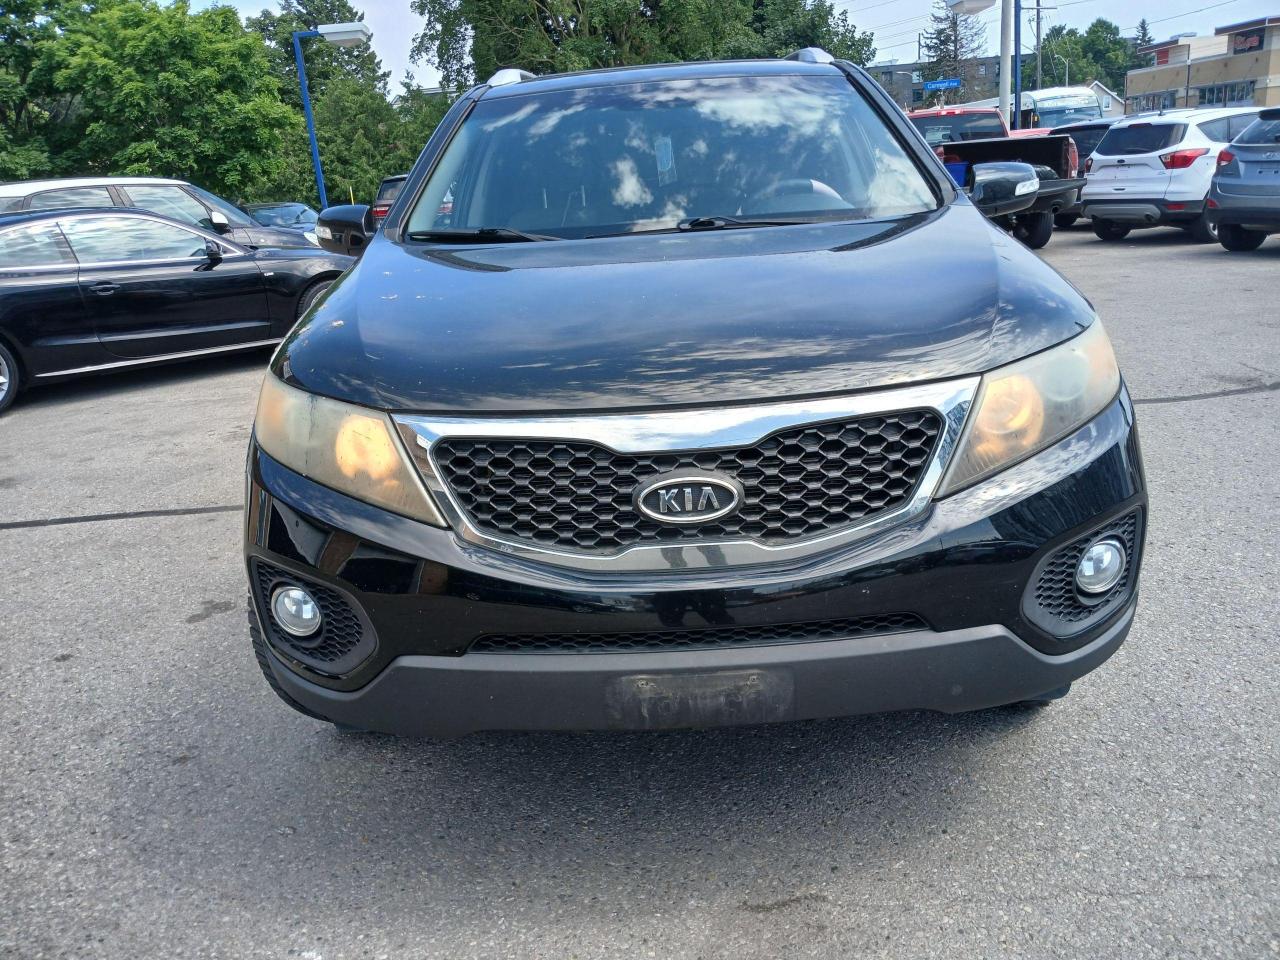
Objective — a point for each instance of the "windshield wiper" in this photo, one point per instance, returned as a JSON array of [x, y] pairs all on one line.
[[730, 223], [500, 234]]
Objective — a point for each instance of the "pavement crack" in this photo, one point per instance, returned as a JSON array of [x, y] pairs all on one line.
[[1215, 394], [128, 515]]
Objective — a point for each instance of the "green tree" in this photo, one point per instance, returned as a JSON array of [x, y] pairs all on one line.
[[469, 39], [1142, 38], [951, 45], [160, 90], [1100, 53], [28, 105]]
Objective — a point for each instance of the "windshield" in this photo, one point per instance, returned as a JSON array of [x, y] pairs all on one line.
[[388, 190], [959, 126], [1261, 131], [1086, 138], [284, 215], [1057, 112], [1140, 138], [639, 157], [235, 216]]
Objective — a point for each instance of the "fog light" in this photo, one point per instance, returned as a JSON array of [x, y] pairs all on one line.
[[1101, 567], [295, 611]]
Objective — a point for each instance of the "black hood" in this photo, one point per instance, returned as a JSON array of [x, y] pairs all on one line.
[[257, 236], [680, 319]]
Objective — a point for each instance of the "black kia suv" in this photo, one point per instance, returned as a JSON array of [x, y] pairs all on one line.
[[710, 400]]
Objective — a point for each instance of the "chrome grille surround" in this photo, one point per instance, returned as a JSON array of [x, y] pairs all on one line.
[[691, 431]]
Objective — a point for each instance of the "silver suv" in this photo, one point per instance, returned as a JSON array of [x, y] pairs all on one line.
[[1244, 198]]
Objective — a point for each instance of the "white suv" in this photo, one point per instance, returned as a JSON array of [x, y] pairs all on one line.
[[1153, 170]]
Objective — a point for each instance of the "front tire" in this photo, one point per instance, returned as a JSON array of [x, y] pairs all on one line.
[[1034, 229], [310, 295], [1237, 238], [1109, 231], [1202, 229], [10, 378]]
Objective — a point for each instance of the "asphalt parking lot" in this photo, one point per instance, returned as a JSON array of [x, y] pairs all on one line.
[[158, 801]]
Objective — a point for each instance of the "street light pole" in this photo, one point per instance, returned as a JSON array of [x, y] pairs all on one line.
[[298, 37], [1066, 80], [340, 35], [1017, 65]]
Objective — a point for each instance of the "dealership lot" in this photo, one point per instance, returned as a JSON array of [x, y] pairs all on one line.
[[159, 799]]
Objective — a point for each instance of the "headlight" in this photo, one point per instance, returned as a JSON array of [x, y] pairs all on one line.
[[1034, 403], [351, 449]]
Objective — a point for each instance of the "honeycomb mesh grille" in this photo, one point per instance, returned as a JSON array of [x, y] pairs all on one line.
[[342, 641], [796, 483], [708, 638], [1057, 601]]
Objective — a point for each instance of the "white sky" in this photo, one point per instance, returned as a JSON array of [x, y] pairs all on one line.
[[895, 23]]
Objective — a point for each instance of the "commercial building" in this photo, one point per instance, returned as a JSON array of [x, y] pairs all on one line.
[[1238, 66], [980, 79]]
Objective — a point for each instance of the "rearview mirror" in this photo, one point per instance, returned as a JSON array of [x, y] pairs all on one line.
[[998, 189], [219, 221], [346, 228]]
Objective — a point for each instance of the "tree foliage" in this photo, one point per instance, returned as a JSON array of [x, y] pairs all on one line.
[[950, 47], [1099, 53], [151, 87], [470, 39]]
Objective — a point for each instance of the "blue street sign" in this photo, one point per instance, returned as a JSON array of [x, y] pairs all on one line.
[[950, 83]]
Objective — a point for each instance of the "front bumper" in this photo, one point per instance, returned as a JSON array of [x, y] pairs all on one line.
[[964, 569]]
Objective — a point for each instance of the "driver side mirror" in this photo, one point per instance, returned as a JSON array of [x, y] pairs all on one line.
[[219, 221], [213, 252], [345, 229], [998, 189]]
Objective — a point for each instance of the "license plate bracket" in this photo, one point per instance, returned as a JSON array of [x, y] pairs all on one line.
[[655, 701]]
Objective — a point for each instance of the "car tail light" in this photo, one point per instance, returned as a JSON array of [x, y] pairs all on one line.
[[1177, 207], [380, 210], [1225, 157], [1212, 204], [1088, 164], [1181, 159], [1073, 158]]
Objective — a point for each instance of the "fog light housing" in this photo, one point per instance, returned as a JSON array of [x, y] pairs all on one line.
[[1101, 567], [296, 611]]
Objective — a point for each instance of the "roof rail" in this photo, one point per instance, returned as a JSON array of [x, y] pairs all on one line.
[[509, 75], [811, 55]]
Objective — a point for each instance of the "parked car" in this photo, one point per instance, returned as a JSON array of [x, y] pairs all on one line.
[[1087, 134], [1154, 171], [715, 401], [1244, 196], [388, 190], [286, 216], [984, 138], [178, 199], [89, 290]]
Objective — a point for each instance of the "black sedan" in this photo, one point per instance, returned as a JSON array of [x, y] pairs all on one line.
[[94, 290]]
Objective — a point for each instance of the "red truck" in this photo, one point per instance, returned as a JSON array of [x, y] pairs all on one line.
[[963, 136]]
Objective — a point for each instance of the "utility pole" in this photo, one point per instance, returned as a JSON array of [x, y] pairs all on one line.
[[1039, 71], [1006, 58]]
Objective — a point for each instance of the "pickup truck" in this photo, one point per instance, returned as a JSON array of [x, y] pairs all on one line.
[[964, 136]]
